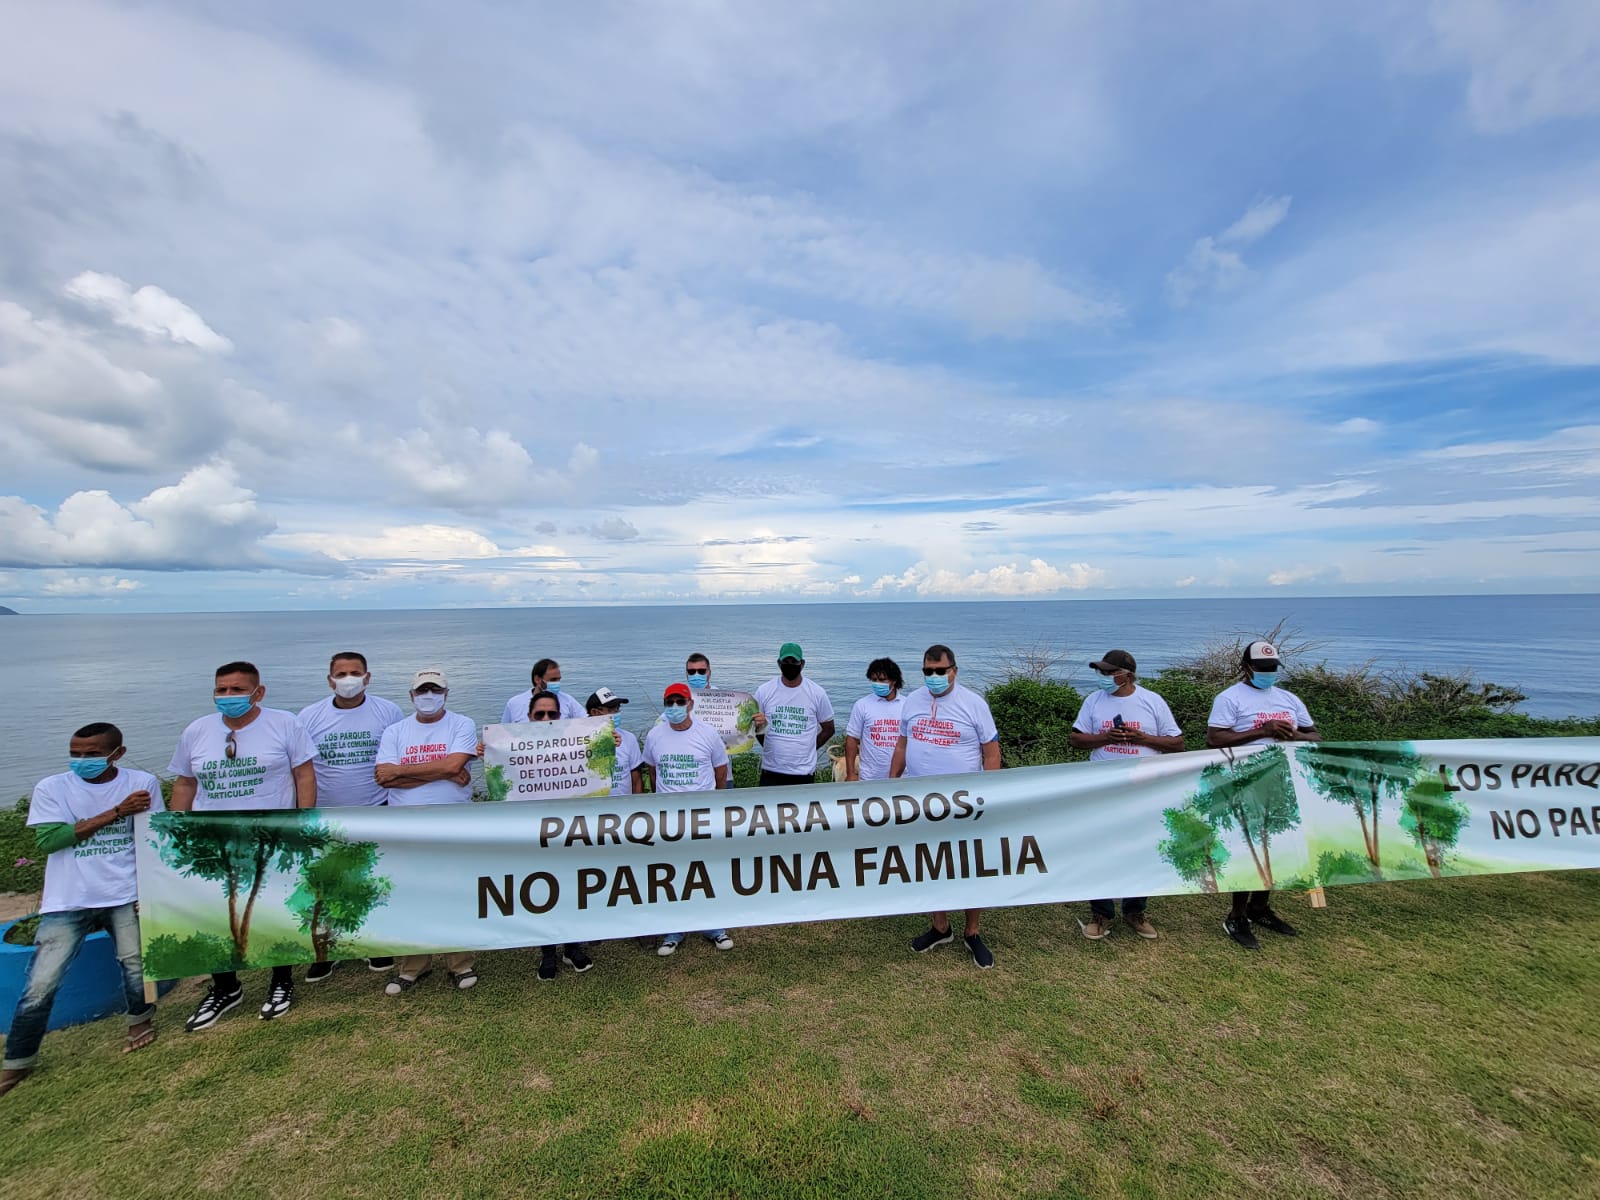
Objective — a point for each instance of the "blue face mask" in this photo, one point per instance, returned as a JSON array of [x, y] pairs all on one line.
[[881, 690], [938, 685], [553, 686], [1108, 683], [697, 682], [1263, 679], [677, 714], [233, 706], [89, 768]]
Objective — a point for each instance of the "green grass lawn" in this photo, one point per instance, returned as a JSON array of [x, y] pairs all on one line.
[[1421, 1039]]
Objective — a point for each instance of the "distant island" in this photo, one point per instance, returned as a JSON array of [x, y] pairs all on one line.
[[8, 612]]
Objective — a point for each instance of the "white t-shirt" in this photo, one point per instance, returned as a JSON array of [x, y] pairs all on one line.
[[685, 760], [410, 742], [346, 743], [794, 718], [1242, 708], [875, 723], [1144, 710], [629, 756], [261, 772], [516, 709], [945, 734], [98, 871]]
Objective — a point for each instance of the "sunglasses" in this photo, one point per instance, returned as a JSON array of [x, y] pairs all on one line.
[[541, 715], [937, 670], [697, 670], [230, 747]]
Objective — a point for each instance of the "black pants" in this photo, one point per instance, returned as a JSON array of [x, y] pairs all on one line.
[[227, 981], [1252, 901], [777, 779]]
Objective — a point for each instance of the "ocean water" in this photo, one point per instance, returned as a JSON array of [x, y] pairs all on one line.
[[151, 674]]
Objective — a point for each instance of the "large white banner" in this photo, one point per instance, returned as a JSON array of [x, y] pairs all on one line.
[[256, 889]]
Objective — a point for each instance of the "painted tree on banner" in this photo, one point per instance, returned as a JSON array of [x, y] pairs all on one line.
[[1433, 818], [1254, 796], [337, 891], [1361, 777], [1193, 847], [238, 853]]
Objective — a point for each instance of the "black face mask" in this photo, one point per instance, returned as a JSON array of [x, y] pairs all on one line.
[[791, 671]]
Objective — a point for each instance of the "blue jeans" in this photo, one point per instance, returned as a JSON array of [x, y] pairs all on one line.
[[1108, 908], [713, 935], [59, 939]]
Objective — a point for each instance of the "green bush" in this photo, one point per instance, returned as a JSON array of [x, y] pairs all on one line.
[[16, 846], [1034, 718], [171, 957]]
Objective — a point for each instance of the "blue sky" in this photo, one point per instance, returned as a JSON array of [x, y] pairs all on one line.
[[388, 306]]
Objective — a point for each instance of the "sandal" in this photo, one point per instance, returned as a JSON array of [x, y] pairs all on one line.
[[138, 1041], [464, 980], [401, 984]]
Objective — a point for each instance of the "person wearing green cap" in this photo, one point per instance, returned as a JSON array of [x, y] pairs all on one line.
[[794, 718]]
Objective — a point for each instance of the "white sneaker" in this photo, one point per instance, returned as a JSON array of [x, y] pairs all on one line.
[[722, 943], [668, 947]]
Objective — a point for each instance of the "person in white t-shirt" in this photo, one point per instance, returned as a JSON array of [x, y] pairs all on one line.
[[83, 820], [242, 758], [794, 719], [697, 674], [1119, 721], [946, 729], [426, 758], [345, 729], [873, 730], [1256, 709], [685, 756], [546, 678]]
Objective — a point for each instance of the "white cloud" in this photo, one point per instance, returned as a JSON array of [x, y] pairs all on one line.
[[1215, 263], [613, 529], [1357, 425], [1038, 578], [204, 521], [394, 542], [1526, 61], [149, 311], [1186, 581], [63, 585]]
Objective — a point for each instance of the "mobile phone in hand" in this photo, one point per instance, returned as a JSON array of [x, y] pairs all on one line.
[[1116, 721]]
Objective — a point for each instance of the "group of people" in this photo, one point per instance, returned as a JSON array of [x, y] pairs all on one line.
[[354, 748]]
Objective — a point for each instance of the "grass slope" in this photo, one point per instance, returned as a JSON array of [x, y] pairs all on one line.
[[1428, 1039]]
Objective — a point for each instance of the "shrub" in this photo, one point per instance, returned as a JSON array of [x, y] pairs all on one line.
[[1034, 718]]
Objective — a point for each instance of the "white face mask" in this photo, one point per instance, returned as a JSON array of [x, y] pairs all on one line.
[[428, 703], [348, 687]]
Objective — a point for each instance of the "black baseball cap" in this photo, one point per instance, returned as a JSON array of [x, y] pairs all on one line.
[[1116, 660]]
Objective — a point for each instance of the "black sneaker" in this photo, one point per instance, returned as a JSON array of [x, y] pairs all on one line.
[[1268, 919], [980, 952], [380, 964], [212, 1007], [549, 964], [279, 997], [924, 942], [318, 971], [1238, 928], [577, 959]]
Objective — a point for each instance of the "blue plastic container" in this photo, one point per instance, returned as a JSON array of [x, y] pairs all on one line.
[[91, 990]]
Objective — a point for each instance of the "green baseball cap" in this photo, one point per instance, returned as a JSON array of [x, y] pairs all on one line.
[[791, 650]]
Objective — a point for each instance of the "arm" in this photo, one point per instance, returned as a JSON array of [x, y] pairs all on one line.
[[825, 733], [852, 751], [1307, 733], [184, 788], [1090, 741], [50, 836], [897, 761], [721, 772], [1220, 738], [1137, 737], [410, 775], [638, 785], [991, 755], [305, 785]]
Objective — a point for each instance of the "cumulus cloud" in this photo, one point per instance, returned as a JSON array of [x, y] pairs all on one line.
[[1038, 578], [204, 521], [1217, 263], [149, 311], [613, 529], [1303, 574], [63, 585]]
